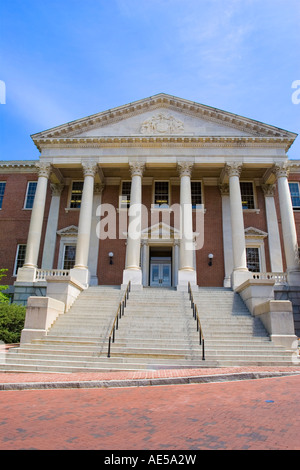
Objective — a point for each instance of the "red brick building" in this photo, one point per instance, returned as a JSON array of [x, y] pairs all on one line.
[[71, 209]]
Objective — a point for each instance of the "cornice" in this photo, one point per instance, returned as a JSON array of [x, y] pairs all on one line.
[[18, 166], [159, 141], [256, 128]]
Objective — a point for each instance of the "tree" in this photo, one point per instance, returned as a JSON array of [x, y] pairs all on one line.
[[3, 297]]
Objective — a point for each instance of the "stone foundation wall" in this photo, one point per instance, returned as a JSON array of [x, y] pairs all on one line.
[[293, 295]]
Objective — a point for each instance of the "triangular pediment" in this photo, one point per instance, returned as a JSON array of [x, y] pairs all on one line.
[[162, 116], [252, 232], [69, 231], [160, 230]]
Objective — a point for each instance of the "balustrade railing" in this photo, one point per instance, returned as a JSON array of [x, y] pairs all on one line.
[[41, 274], [279, 278]]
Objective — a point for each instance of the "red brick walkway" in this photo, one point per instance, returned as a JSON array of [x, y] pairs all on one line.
[[247, 414]]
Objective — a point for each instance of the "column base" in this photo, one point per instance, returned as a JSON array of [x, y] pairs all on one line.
[[132, 275], [26, 274], [293, 278], [186, 276], [238, 277], [82, 275]]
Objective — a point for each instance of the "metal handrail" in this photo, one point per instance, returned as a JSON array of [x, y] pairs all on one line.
[[197, 318], [119, 314]]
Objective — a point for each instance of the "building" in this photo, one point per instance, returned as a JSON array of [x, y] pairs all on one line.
[[219, 196]]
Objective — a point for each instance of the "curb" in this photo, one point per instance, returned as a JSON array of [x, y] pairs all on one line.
[[144, 382]]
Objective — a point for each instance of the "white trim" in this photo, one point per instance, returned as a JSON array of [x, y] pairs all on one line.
[[26, 195], [16, 257]]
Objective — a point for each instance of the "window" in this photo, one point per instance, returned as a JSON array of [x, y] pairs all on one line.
[[161, 193], [30, 194], [69, 256], [247, 194], [20, 258], [196, 193], [2, 189], [295, 194], [76, 194], [253, 261], [125, 196]]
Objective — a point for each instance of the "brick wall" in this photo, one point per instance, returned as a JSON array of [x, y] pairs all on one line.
[[15, 220]]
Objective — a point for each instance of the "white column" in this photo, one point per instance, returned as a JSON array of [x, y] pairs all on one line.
[[132, 270], [27, 273], [94, 240], [288, 224], [186, 271], [80, 270], [273, 229], [227, 234], [50, 238], [240, 271]]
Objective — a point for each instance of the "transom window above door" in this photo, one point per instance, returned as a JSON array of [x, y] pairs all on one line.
[[161, 193]]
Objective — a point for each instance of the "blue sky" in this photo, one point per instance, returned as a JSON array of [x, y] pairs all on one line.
[[67, 59]]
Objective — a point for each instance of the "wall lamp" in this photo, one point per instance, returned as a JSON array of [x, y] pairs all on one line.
[[111, 255], [210, 257]]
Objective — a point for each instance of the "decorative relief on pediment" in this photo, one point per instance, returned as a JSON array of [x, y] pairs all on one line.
[[162, 123]]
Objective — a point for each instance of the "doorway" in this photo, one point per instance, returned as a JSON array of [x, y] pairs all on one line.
[[160, 267]]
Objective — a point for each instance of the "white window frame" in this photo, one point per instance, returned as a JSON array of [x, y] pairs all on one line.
[[294, 182], [120, 195], [15, 272], [26, 196], [64, 254], [69, 208], [201, 206], [4, 183], [258, 243], [167, 206], [255, 208]]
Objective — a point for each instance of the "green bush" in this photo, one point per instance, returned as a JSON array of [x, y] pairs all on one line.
[[12, 319]]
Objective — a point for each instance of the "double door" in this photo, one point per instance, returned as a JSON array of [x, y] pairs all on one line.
[[160, 274]]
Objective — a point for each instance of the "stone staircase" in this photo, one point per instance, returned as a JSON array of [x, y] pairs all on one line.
[[157, 331]]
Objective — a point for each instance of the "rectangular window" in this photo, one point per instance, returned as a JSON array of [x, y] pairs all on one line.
[[247, 194], [20, 258], [196, 192], [76, 194], [253, 261], [69, 256], [125, 196], [161, 193], [2, 189], [30, 194], [295, 194]]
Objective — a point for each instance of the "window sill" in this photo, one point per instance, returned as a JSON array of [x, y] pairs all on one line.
[[251, 211], [72, 209]]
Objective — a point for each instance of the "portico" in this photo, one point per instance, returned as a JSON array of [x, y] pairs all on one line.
[[162, 155]]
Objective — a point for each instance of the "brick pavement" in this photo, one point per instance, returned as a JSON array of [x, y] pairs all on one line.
[[247, 414]]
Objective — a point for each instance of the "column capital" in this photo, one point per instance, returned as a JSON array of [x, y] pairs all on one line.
[[56, 189], [224, 189], [233, 169], [89, 169], [98, 188], [281, 170], [137, 168], [43, 169], [269, 189], [185, 168]]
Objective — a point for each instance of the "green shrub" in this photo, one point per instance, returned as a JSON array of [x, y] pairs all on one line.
[[12, 319]]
